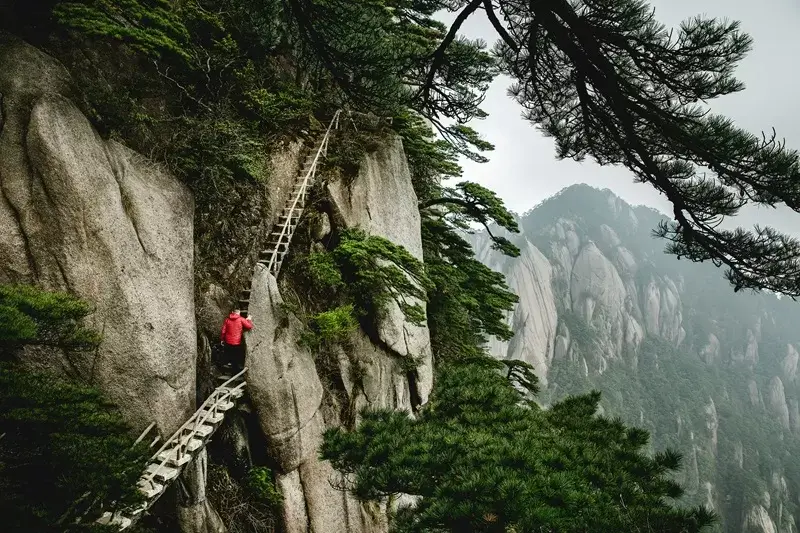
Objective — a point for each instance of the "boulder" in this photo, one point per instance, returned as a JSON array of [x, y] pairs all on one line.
[[282, 377], [91, 217]]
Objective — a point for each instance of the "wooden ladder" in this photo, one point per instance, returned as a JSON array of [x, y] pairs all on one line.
[[289, 217], [168, 462]]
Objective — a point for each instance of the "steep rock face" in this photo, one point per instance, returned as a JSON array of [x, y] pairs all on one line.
[[381, 201], [668, 343], [289, 397], [89, 216], [777, 401], [758, 520], [298, 395], [790, 363], [534, 338]]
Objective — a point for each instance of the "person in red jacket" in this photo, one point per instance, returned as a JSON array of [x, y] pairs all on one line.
[[231, 338]]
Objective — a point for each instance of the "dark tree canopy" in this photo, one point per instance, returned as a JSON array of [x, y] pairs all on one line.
[[485, 460], [64, 450], [606, 80]]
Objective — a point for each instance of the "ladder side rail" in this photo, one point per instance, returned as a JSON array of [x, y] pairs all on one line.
[[311, 170], [178, 436]]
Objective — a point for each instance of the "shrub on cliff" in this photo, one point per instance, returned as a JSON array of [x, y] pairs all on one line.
[[64, 450]]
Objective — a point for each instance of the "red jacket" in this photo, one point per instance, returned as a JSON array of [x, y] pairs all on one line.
[[232, 329]]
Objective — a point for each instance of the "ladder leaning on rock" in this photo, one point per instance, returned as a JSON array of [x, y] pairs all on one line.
[[289, 217], [169, 461]]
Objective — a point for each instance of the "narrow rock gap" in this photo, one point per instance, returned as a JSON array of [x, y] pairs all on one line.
[[14, 211], [118, 171]]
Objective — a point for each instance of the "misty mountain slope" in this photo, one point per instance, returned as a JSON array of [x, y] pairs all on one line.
[[707, 371]]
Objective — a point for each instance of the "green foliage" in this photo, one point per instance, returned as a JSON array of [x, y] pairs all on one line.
[[430, 159], [246, 506], [376, 272], [484, 460], [32, 316], [63, 449], [469, 301], [323, 271], [377, 54], [660, 384], [203, 87], [469, 202], [261, 485], [607, 80], [331, 327], [151, 27]]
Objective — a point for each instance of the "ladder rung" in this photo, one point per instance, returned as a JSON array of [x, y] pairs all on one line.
[[209, 415], [162, 472], [192, 444], [202, 431], [150, 489], [235, 393], [173, 458], [225, 406], [113, 519]]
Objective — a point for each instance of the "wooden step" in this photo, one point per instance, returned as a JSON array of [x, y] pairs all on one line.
[[150, 489], [235, 393], [225, 406], [203, 431], [245, 294], [172, 458], [162, 473], [210, 417], [191, 444], [112, 519]]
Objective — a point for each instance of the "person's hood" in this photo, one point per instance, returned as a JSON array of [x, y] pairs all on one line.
[[233, 315]]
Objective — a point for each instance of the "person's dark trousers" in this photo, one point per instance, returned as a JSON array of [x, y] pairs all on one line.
[[234, 355]]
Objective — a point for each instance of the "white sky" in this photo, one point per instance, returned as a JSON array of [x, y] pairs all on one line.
[[523, 169]]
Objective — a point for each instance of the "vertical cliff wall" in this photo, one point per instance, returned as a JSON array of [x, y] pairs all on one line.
[[88, 216], [298, 396]]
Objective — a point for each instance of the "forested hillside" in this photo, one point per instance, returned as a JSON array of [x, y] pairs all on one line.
[[706, 371]]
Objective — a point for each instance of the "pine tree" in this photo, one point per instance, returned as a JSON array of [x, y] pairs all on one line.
[[484, 458], [606, 80], [64, 450]]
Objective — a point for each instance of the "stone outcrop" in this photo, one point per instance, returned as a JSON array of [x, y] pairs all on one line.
[[91, 217], [777, 401], [790, 364], [535, 337], [624, 313], [381, 201], [297, 395], [758, 520]]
